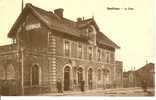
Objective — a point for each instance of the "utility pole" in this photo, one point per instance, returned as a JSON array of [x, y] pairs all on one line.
[[22, 6], [22, 57]]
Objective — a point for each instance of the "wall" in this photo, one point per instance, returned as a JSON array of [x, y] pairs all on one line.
[[10, 70], [119, 74], [33, 34], [30, 59], [73, 61]]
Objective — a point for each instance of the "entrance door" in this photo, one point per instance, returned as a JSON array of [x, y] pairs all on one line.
[[90, 78], [67, 78], [35, 75]]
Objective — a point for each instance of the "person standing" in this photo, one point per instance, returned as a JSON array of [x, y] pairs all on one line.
[[82, 85], [59, 86]]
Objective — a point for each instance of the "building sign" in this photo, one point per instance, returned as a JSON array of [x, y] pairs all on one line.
[[33, 26]]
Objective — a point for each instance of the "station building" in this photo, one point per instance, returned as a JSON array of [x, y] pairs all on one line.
[[47, 46]]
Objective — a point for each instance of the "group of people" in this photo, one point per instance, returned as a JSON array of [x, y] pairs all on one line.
[[60, 89]]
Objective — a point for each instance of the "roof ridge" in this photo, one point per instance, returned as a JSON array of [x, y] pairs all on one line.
[[62, 20], [64, 25]]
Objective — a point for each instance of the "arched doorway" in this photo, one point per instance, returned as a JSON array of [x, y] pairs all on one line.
[[90, 78], [67, 78]]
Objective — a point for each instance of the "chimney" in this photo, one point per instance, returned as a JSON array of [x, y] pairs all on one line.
[[79, 19], [59, 12], [83, 18]]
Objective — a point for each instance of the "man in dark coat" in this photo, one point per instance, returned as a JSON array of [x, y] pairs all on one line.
[[82, 85], [59, 86]]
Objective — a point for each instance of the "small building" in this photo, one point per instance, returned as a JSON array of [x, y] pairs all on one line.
[[147, 73], [48, 47], [135, 78]]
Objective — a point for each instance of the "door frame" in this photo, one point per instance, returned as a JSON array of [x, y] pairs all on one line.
[[71, 78]]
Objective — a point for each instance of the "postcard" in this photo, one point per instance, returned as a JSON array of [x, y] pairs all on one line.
[[77, 48]]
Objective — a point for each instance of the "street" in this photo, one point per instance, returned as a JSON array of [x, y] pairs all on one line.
[[107, 92]]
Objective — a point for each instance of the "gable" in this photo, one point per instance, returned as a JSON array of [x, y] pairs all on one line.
[[28, 19], [32, 23]]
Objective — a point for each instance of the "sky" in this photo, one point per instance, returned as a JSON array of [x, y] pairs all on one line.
[[131, 29]]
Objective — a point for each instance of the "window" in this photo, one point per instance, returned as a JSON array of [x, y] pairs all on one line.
[[90, 53], [80, 75], [67, 48], [99, 74], [99, 54], [103, 55], [2, 73], [112, 57], [35, 75], [108, 78], [107, 57], [10, 72], [80, 50]]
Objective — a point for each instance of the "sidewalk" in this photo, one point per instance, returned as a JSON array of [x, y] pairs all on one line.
[[71, 92], [137, 91]]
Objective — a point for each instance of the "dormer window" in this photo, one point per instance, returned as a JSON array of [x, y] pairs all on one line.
[[91, 33], [90, 29]]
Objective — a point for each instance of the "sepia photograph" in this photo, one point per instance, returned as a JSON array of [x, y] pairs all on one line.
[[77, 48]]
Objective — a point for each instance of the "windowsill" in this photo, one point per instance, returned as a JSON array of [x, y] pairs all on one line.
[[84, 59], [35, 86]]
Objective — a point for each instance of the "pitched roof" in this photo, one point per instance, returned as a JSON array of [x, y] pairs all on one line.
[[146, 67], [87, 22], [103, 39], [54, 22]]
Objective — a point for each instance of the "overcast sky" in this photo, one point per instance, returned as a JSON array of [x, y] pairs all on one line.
[[132, 30]]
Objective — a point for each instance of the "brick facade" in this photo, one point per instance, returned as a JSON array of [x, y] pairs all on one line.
[[44, 60]]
